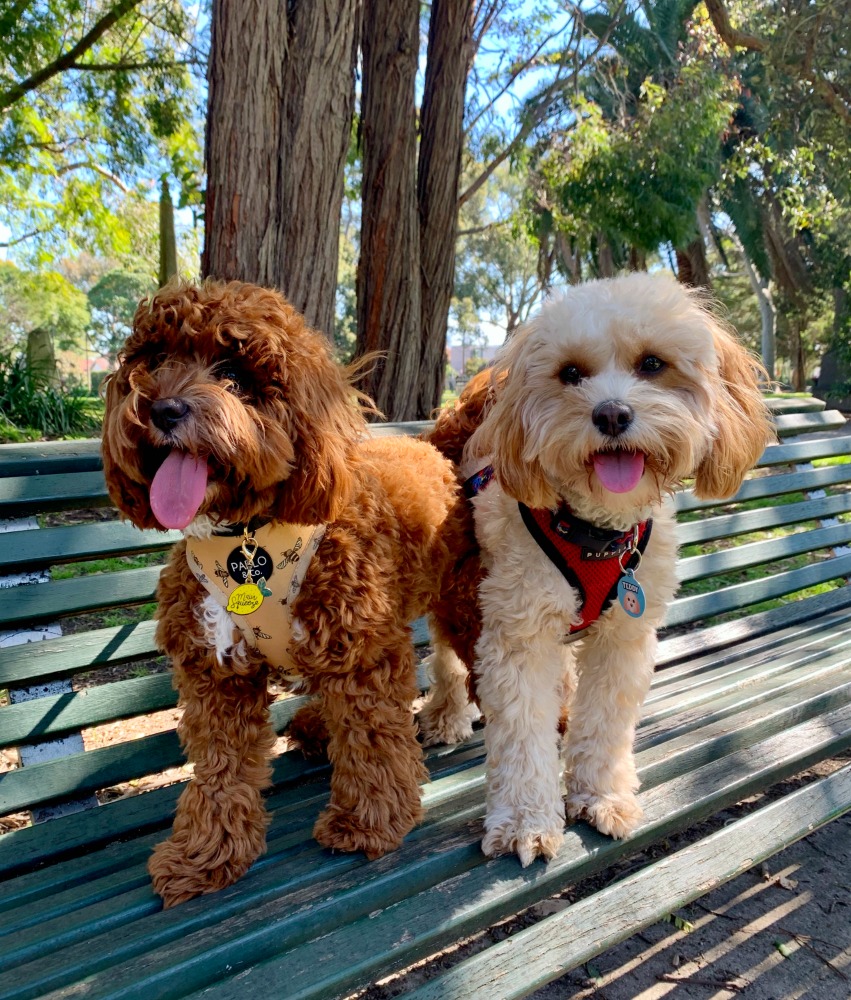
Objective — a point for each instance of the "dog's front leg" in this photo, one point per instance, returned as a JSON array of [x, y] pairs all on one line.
[[220, 826], [377, 761], [615, 667], [520, 683]]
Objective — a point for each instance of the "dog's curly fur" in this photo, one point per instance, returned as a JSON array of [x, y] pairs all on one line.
[[691, 407], [283, 433]]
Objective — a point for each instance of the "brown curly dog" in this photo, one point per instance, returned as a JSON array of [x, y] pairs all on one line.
[[228, 417]]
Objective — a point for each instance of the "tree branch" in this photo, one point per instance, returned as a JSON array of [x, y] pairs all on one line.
[[727, 33], [67, 59], [537, 116], [89, 165], [20, 239], [132, 66]]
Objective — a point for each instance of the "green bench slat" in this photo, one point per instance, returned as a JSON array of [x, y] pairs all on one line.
[[48, 546], [788, 452], [32, 720], [794, 404], [772, 486], [747, 521], [335, 962], [535, 956], [39, 458], [20, 495], [86, 772], [796, 643], [690, 650], [91, 770], [755, 553], [279, 906], [42, 602], [54, 658], [70, 654], [791, 424], [689, 609]]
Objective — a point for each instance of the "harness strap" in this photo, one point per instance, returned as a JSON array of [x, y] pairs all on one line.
[[277, 571]]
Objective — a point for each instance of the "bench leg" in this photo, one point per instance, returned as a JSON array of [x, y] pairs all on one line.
[[376, 759], [600, 777], [220, 826]]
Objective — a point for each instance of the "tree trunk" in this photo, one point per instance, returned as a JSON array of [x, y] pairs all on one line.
[[388, 280], [767, 313], [281, 97], [41, 358], [450, 54], [692, 266], [168, 243]]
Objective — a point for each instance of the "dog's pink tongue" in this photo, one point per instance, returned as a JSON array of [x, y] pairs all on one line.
[[619, 471], [178, 489]]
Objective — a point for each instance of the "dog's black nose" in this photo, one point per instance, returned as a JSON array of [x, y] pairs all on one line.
[[167, 413], [612, 417]]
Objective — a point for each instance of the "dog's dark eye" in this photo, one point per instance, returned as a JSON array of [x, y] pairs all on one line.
[[651, 365], [571, 375], [232, 374]]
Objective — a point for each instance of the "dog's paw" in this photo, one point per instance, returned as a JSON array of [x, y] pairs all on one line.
[[526, 833], [614, 815], [178, 876], [340, 830], [308, 733], [445, 722], [526, 842]]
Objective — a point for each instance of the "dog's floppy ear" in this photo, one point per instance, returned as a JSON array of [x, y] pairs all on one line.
[[744, 426], [503, 435], [120, 453], [325, 411]]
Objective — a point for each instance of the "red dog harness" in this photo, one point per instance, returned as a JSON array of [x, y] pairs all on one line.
[[588, 557]]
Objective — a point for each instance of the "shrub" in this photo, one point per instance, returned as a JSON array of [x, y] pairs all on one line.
[[30, 400]]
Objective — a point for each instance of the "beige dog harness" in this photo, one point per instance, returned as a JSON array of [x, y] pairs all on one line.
[[256, 576]]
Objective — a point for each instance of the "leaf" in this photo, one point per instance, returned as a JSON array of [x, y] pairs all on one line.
[[686, 926], [594, 974], [786, 948]]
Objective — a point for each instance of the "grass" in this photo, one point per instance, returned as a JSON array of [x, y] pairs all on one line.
[[113, 564]]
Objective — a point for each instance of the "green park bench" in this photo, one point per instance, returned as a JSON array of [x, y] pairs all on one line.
[[753, 686]]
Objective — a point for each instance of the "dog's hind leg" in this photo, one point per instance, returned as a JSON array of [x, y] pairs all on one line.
[[377, 761], [448, 714]]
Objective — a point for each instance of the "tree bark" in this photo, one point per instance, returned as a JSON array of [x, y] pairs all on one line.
[[450, 55], [388, 279], [281, 97], [168, 243], [692, 267], [767, 313]]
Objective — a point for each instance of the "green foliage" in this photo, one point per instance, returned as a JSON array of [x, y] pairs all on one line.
[[29, 401], [40, 300], [113, 301], [496, 271], [77, 140], [637, 183]]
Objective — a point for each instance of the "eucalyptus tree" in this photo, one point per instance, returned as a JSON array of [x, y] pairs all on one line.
[[96, 100]]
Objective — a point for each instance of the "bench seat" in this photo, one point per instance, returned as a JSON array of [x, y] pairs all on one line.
[[716, 728], [739, 703]]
